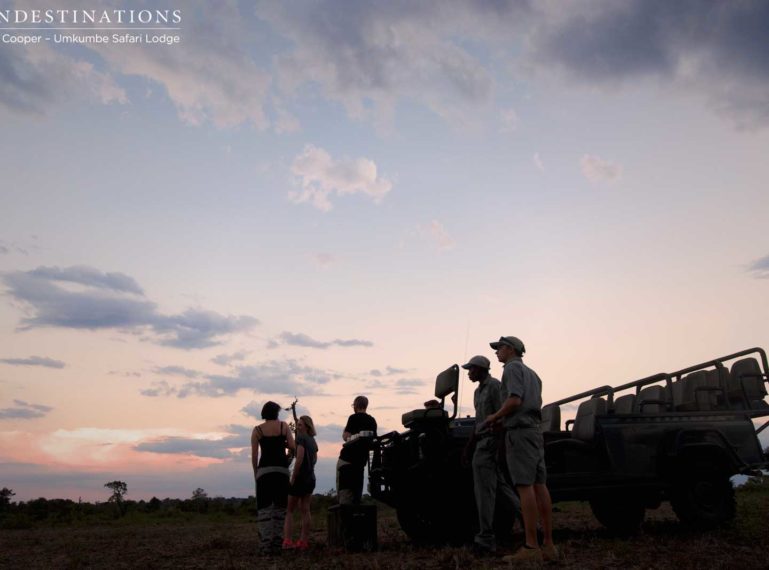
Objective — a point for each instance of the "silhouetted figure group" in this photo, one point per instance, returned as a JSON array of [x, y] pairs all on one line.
[[272, 445], [508, 450], [280, 493]]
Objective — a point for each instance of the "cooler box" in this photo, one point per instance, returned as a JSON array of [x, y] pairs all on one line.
[[352, 527]]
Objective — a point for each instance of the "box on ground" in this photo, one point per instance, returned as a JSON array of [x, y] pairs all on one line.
[[353, 527]]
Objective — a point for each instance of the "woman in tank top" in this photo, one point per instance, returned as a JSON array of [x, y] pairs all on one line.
[[269, 442]]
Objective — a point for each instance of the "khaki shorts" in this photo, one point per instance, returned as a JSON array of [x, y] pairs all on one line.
[[525, 453]]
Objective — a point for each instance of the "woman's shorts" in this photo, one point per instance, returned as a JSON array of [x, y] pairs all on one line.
[[302, 487]]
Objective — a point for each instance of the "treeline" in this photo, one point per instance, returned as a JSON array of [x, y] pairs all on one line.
[[64, 512]]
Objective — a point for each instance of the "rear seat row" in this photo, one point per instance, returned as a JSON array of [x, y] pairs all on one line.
[[698, 391]]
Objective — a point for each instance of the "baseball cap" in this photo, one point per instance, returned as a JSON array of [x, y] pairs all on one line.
[[510, 341], [479, 361]]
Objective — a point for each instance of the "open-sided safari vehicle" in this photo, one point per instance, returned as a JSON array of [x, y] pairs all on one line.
[[676, 437]]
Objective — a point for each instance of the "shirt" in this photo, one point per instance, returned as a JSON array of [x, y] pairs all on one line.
[[521, 381], [487, 399], [356, 423]]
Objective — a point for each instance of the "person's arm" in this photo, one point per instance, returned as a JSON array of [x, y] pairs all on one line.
[[468, 450], [347, 432], [508, 407], [298, 462], [255, 450], [290, 442]]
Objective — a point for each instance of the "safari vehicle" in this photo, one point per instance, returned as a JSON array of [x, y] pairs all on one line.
[[676, 437]]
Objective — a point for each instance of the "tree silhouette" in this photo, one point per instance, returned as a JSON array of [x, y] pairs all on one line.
[[199, 495], [119, 489], [5, 498]]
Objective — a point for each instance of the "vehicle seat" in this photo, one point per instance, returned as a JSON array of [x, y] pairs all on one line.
[[446, 383], [579, 453], [652, 400], [584, 422], [693, 392], [746, 374], [551, 418], [624, 404]]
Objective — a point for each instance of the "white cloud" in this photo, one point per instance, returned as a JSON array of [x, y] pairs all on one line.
[[323, 260], [211, 78], [538, 162], [508, 121], [597, 169], [321, 176], [34, 80], [438, 235]]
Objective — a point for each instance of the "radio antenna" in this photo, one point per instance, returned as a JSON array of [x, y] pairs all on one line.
[[459, 388]]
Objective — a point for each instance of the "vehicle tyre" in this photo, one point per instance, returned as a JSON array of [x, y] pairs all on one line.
[[622, 515], [429, 526], [419, 528], [704, 499]]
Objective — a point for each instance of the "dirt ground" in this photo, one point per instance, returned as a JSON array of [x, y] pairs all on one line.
[[662, 543]]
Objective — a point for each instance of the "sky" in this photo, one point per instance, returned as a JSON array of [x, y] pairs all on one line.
[[320, 199]]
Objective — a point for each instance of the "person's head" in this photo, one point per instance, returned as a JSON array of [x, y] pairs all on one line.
[[477, 368], [306, 425], [270, 411], [508, 347], [360, 404], [430, 404]]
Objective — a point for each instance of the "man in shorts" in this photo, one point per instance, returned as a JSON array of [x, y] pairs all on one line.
[[521, 414]]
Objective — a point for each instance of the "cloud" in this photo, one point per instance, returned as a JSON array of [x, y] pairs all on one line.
[[717, 49], [408, 385], [176, 371], [321, 176], [368, 55], [595, 169], [508, 121], [24, 411], [253, 409], [329, 432], [388, 371], [227, 447], [34, 361], [125, 374], [286, 378], [88, 276], [538, 162], [212, 78], [9, 248], [161, 388], [438, 235], [32, 81], [301, 339], [323, 260], [227, 359], [760, 268], [112, 301]]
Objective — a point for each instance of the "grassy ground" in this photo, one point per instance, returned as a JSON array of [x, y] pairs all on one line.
[[200, 542]]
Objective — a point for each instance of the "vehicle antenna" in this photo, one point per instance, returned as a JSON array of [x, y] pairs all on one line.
[[459, 388]]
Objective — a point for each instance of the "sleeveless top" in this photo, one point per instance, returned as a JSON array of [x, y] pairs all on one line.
[[272, 457]]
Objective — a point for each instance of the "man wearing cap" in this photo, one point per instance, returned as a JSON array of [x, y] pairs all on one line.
[[488, 479], [521, 413]]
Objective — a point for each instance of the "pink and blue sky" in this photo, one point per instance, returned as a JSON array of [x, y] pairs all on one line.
[[325, 198]]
